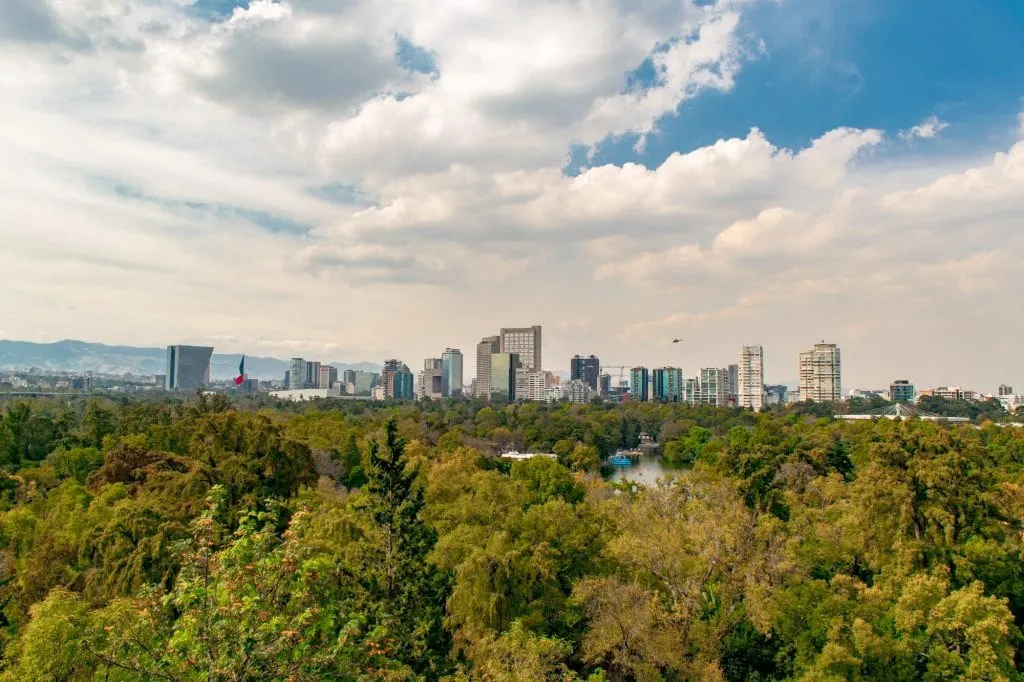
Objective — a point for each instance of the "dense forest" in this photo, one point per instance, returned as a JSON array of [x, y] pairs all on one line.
[[206, 539]]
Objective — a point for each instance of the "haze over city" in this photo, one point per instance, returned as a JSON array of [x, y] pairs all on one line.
[[264, 178]]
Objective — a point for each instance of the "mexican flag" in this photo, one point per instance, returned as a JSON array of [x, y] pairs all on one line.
[[240, 379]]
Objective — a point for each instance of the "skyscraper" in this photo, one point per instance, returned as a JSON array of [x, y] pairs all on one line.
[[524, 342], [328, 377], [586, 369], [362, 382], [503, 375], [402, 384], [639, 378], [750, 378], [820, 375], [668, 384], [713, 387], [451, 373], [431, 379], [297, 374], [312, 374], [399, 383], [188, 367], [484, 350], [732, 388]]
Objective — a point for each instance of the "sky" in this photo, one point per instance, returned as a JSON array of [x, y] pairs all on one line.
[[352, 180]]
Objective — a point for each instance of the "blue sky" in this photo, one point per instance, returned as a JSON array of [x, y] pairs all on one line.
[[860, 63], [357, 180]]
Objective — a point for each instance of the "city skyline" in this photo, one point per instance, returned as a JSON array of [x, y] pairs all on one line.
[[952, 377]]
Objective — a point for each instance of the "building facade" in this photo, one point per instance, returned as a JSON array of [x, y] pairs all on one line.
[[524, 342], [402, 385], [901, 391], [579, 392], [430, 383], [639, 380], [363, 382], [451, 373], [398, 381], [537, 385], [776, 394], [732, 386], [296, 374], [503, 376], [713, 387], [750, 378], [328, 377], [668, 385], [312, 374], [586, 369], [188, 367], [487, 347], [820, 374]]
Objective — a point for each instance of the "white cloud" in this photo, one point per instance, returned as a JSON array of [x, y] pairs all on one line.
[[925, 130], [159, 184]]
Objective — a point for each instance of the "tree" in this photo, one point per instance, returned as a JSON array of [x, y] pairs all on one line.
[[51, 646], [584, 458], [404, 594]]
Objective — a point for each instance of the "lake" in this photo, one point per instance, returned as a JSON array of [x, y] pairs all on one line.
[[646, 471]]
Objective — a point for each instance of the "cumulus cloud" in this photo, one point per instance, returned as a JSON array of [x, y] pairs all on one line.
[[387, 179]]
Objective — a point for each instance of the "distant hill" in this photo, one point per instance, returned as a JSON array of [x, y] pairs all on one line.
[[79, 356]]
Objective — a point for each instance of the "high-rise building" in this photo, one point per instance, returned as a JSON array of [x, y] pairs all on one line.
[[1005, 390], [750, 378], [710, 387], [732, 387], [524, 342], [536, 386], [431, 379], [714, 387], [639, 378], [901, 391], [605, 385], [586, 369], [297, 375], [362, 382], [188, 367], [451, 373], [487, 347], [312, 375], [403, 384], [523, 383], [668, 384], [579, 392], [503, 375], [399, 383], [820, 375], [348, 377], [328, 377]]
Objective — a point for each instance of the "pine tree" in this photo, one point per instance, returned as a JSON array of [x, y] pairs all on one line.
[[404, 592]]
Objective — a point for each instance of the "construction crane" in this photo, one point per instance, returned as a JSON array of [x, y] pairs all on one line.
[[622, 372]]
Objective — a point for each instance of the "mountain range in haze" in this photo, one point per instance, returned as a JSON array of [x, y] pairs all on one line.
[[80, 356]]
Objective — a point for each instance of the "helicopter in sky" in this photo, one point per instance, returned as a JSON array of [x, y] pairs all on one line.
[[677, 340]]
